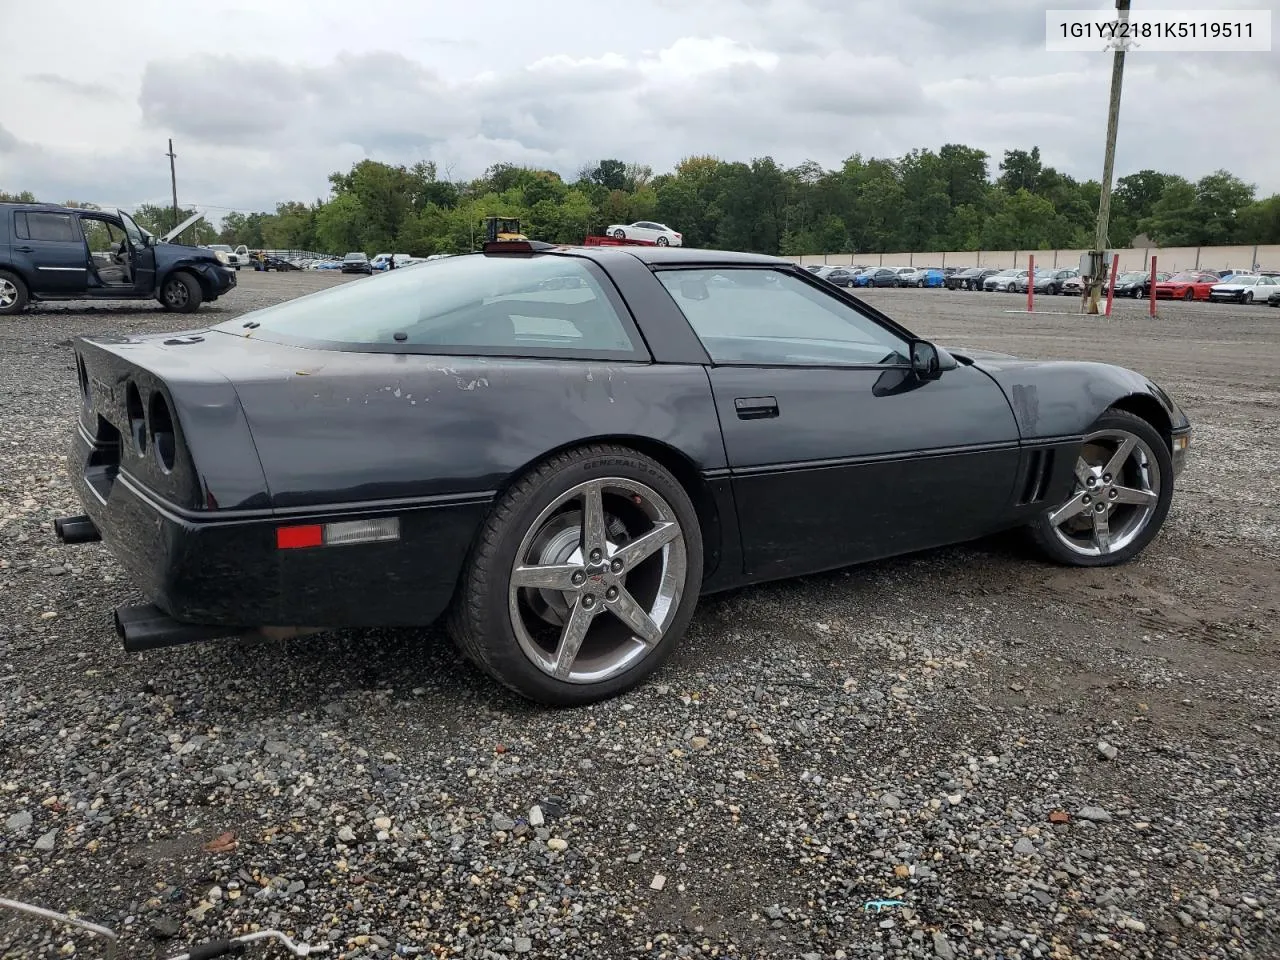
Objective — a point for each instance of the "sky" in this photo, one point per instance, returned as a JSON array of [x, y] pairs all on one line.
[[264, 100]]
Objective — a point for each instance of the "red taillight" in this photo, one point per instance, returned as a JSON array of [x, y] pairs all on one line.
[[337, 534], [307, 535]]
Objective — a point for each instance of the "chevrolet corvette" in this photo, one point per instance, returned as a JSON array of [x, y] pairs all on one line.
[[557, 450]]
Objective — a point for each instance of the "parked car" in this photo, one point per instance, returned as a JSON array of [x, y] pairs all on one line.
[[569, 524], [658, 233], [357, 262], [1188, 285], [237, 257], [383, 260], [1244, 288], [46, 254], [840, 276], [1274, 299], [1003, 281], [1048, 280], [271, 261], [1137, 283], [920, 277], [970, 278], [877, 277]]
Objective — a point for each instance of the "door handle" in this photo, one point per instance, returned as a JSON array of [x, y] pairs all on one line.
[[25, 249], [756, 408]]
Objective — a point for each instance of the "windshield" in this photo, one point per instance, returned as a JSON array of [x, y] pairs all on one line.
[[355, 256], [1244, 281], [1185, 278], [501, 303], [221, 246], [1131, 277]]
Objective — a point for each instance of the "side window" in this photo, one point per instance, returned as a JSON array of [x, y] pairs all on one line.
[[20, 226], [57, 227], [761, 316], [495, 305]]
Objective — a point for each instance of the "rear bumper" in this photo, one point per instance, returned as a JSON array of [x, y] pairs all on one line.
[[223, 571]]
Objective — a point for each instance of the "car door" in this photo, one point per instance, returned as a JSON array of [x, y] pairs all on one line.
[[51, 248], [643, 231], [143, 253], [838, 452]]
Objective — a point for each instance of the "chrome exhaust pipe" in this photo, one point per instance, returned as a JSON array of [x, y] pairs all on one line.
[[76, 530]]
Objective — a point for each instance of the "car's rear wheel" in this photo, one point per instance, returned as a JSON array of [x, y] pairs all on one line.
[[1248, 296], [181, 293], [620, 234], [1123, 488], [1189, 295], [663, 241], [919, 283], [13, 293], [583, 578]]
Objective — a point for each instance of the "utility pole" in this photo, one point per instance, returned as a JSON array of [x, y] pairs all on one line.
[[173, 181], [1097, 256]]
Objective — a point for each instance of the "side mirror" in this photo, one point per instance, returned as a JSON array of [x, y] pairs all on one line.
[[929, 361]]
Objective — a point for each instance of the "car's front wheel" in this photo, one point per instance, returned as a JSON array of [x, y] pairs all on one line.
[[13, 293], [1248, 296], [583, 578], [181, 293], [1121, 496]]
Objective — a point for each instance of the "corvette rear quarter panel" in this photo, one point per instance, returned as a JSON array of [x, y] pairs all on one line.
[[337, 427], [1056, 399]]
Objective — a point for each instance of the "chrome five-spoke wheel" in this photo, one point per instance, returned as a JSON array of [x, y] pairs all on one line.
[[583, 577], [1117, 490], [597, 580], [1123, 485]]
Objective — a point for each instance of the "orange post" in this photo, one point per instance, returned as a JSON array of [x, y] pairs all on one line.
[[1031, 283], [1152, 292], [1111, 284]]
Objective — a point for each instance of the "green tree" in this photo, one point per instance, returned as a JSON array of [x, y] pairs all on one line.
[[1260, 222], [1173, 221]]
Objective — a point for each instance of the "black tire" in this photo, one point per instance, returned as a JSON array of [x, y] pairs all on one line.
[[1248, 297], [181, 293], [1042, 531], [1189, 296], [620, 234], [663, 242], [19, 293], [919, 283], [479, 619]]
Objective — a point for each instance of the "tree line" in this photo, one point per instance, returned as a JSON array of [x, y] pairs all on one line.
[[925, 200]]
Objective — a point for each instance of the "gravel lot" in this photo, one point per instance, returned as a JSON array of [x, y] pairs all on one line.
[[1037, 762]]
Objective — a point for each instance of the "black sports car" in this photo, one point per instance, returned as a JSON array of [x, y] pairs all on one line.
[[563, 467], [969, 279]]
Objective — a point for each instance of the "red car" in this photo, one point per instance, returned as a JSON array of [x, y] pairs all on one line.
[[1189, 285]]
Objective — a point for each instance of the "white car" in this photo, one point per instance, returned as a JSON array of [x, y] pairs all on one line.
[[1244, 289], [1003, 281], [657, 233], [239, 257]]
